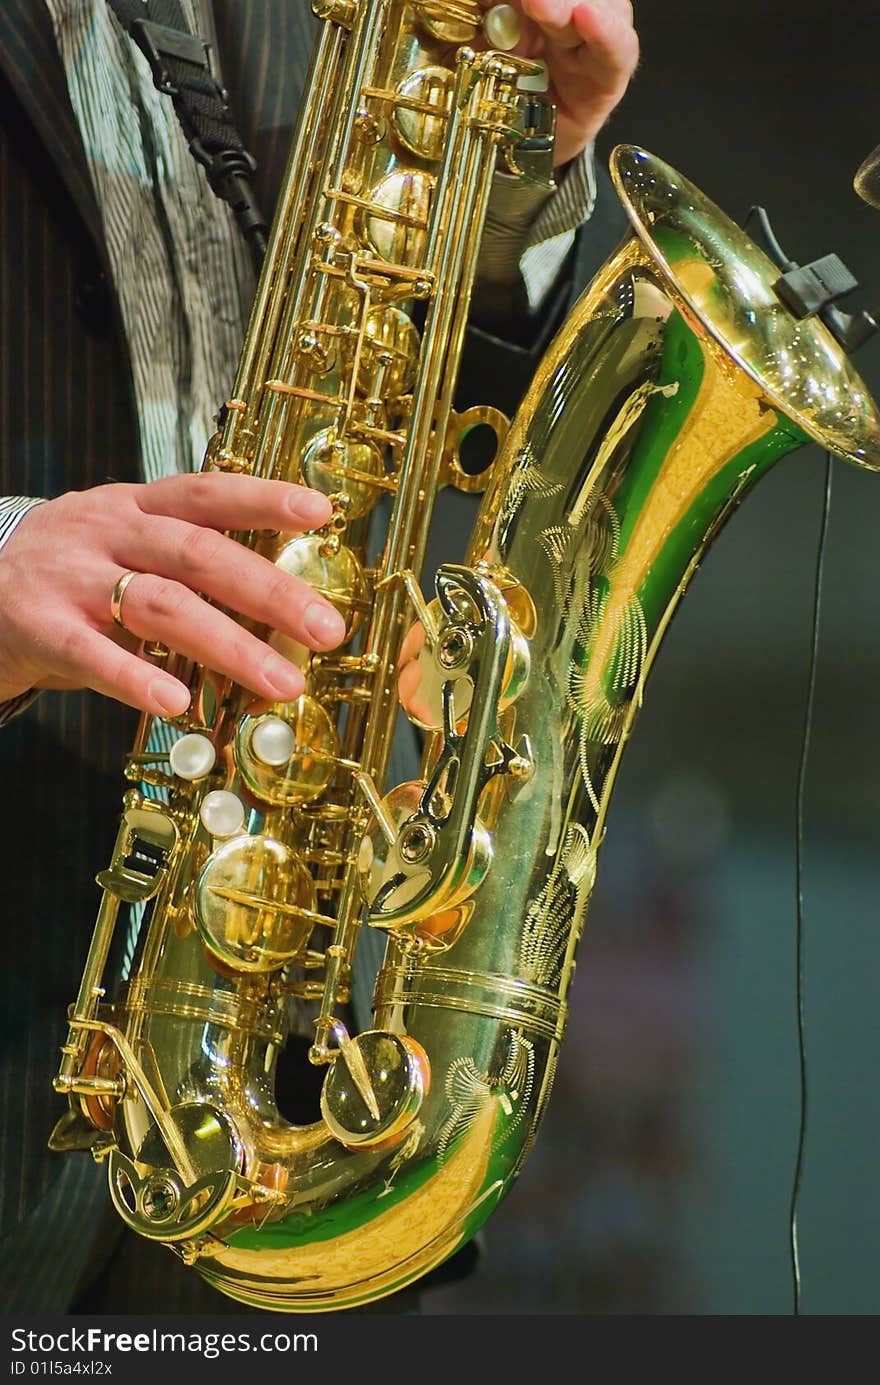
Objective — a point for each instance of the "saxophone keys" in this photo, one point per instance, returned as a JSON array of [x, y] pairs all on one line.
[[357, 469], [502, 26], [303, 759], [165, 1202], [273, 741], [390, 332], [255, 904], [222, 813], [423, 671], [452, 22], [330, 568], [421, 108], [144, 849], [374, 1089], [192, 757], [429, 662], [393, 220]]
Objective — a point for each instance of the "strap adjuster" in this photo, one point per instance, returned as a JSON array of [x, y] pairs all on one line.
[[158, 42], [180, 66]]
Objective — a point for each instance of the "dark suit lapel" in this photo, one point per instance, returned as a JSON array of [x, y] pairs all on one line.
[[265, 79], [29, 58]]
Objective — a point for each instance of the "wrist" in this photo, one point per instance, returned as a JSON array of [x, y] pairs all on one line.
[[13, 509], [11, 706]]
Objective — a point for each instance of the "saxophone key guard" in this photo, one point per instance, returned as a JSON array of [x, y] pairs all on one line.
[[435, 655], [427, 850], [396, 874]]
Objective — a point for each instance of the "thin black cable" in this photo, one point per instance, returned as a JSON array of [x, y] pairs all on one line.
[[771, 244], [799, 881]]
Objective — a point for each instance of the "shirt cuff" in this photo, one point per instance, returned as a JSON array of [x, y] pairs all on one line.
[[552, 233], [530, 230], [11, 709], [13, 509]]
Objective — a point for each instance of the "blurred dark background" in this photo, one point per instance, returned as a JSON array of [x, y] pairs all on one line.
[[662, 1178]]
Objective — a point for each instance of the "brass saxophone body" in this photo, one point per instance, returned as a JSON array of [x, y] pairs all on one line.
[[263, 841]]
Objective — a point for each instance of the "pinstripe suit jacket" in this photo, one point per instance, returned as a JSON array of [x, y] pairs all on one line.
[[67, 422]]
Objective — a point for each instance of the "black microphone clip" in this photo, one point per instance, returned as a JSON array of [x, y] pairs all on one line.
[[813, 290]]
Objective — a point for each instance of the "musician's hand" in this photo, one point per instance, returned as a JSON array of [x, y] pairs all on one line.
[[59, 569], [591, 51]]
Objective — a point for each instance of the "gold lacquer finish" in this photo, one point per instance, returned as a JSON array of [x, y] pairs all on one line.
[[268, 839]]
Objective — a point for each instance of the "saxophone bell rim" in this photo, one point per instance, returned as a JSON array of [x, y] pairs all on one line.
[[797, 364]]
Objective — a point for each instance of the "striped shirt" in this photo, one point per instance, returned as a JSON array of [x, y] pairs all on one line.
[[181, 271]]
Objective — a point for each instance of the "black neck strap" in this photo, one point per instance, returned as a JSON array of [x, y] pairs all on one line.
[[180, 64]]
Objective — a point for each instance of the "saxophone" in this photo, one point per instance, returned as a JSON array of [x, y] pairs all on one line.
[[261, 841]]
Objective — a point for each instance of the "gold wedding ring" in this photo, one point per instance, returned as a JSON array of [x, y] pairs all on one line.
[[116, 600]]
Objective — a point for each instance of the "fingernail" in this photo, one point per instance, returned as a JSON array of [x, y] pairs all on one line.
[[311, 506], [284, 677], [170, 697], [324, 624]]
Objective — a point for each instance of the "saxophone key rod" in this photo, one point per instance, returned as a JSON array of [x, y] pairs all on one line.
[[269, 301]]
